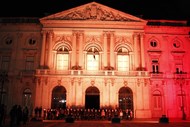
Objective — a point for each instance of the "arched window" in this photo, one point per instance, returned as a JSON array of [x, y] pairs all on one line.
[[157, 100], [176, 44], [153, 43], [92, 59], [27, 95], [62, 58], [123, 59]]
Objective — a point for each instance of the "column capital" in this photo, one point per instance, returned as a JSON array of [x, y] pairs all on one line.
[[105, 33], [81, 33], [136, 34], [43, 32], [78, 32], [112, 33], [84, 52], [51, 33]]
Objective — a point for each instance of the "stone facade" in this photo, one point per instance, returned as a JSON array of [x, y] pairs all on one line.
[[96, 53]]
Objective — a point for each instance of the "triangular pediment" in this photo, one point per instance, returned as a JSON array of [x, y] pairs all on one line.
[[95, 12]]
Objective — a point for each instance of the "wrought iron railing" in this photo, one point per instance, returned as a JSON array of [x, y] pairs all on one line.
[[91, 73]]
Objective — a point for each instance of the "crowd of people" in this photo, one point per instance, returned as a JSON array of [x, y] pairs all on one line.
[[87, 114], [17, 115], [20, 115]]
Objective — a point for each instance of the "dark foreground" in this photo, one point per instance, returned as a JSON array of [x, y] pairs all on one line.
[[132, 123]]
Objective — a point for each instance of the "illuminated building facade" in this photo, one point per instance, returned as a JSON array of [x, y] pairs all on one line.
[[94, 56]]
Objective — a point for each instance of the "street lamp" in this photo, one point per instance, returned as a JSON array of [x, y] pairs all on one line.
[[3, 79], [181, 80]]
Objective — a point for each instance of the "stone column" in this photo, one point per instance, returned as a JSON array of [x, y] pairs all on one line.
[[54, 58], [105, 49], [50, 60], [112, 58], [116, 59], [38, 92], [142, 50], [43, 49], [85, 60], [136, 50], [73, 59], [70, 59], [80, 57], [131, 61], [100, 60]]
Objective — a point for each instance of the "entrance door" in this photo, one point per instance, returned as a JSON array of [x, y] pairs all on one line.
[[92, 98], [58, 97], [125, 98]]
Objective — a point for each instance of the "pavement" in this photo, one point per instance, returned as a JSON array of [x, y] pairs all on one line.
[[106, 123]]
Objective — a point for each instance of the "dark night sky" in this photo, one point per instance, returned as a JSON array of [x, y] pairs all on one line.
[[148, 9]]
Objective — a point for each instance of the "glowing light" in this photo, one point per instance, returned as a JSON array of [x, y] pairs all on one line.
[[62, 101]]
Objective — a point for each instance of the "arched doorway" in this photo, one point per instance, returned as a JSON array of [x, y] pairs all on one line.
[[125, 98], [92, 98], [58, 97], [27, 100], [27, 94]]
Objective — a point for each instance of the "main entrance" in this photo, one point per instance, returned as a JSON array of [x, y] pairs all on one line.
[[125, 98], [58, 97], [92, 98]]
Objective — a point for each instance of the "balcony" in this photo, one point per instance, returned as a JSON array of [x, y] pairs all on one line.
[[27, 73], [181, 75], [156, 75], [92, 73]]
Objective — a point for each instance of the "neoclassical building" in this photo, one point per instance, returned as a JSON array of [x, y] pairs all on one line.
[[93, 56]]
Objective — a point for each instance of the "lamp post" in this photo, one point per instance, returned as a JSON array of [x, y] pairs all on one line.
[[180, 80], [3, 79]]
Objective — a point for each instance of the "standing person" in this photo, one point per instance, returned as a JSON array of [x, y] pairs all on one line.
[[25, 114], [19, 115], [131, 114], [121, 114], [13, 116], [2, 113], [5, 114], [40, 111], [36, 112], [103, 114]]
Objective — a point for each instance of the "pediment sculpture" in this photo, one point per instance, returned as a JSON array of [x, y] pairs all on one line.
[[92, 11]]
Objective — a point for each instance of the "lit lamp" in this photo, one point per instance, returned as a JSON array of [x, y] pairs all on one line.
[[3, 79], [181, 80]]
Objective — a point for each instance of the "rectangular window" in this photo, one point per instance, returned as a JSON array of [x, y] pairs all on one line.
[[92, 62], [157, 102], [181, 101], [29, 63], [62, 61], [155, 66], [179, 68], [5, 63], [123, 62]]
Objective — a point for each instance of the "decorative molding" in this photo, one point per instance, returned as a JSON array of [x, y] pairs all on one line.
[[94, 12], [125, 83], [76, 67], [92, 82]]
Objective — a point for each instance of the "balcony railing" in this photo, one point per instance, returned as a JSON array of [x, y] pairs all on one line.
[[157, 75], [92, 73], [27, 73]]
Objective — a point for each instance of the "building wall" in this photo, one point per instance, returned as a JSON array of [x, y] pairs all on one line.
[[154, 93]]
